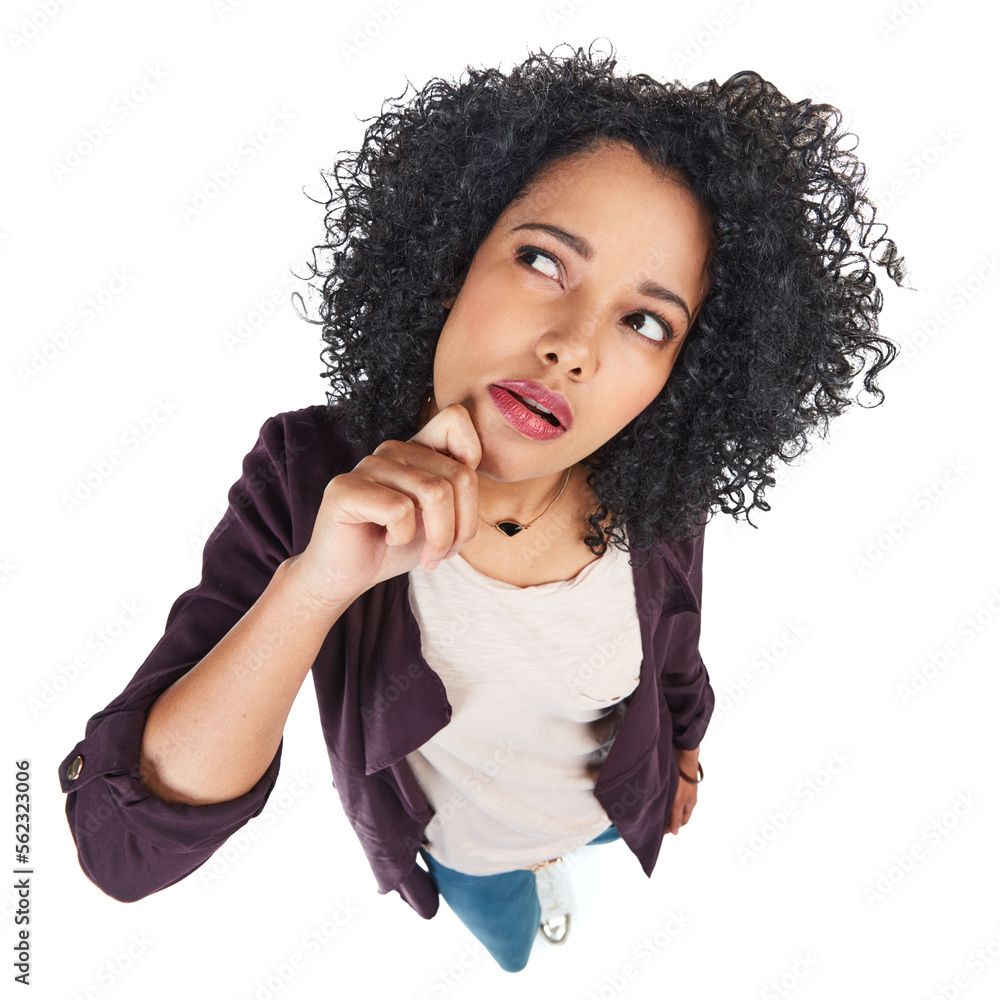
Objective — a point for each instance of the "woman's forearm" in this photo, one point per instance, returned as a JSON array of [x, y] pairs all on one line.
[[211, 735]]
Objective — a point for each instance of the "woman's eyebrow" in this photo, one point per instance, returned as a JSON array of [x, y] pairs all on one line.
[[582, 248], [576, 243]]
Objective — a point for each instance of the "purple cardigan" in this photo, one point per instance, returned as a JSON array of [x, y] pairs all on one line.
[[378, 699]]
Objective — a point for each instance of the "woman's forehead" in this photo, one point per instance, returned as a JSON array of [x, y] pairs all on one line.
[[594, 195], [586, 178]]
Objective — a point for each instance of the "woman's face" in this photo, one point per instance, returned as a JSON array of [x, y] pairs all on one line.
[[587, 285]]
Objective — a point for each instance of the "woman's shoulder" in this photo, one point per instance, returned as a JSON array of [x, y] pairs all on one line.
[[683, 559], [315, 433], [318, 416]]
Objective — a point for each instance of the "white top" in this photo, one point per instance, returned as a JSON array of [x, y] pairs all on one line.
[[535, 677]]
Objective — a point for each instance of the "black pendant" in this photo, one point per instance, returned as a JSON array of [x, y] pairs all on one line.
[[510, 528]]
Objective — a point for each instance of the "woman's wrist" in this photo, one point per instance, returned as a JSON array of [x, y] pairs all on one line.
[[688, 766]]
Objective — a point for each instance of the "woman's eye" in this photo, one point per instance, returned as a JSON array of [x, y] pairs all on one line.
[[651, 328], [531, 256]]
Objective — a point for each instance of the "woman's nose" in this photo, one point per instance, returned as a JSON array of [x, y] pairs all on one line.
[[572, 335]]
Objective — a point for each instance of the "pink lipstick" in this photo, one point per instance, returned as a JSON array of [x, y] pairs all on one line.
[[522, 417]]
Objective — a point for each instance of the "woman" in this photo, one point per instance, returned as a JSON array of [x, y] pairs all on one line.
[[599, 303]]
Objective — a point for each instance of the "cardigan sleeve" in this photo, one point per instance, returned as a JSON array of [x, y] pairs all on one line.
[[684, 677], [132, 843]]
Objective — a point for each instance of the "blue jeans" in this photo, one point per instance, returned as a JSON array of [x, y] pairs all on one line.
[[501, 910]]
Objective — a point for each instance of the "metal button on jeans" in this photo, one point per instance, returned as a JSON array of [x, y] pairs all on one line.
[[75, 767]]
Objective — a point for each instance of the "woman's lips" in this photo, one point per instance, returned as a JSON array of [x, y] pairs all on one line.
[[545, 397], [521, 418]]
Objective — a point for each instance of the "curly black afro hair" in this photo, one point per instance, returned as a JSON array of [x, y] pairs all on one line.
[[788, 324]]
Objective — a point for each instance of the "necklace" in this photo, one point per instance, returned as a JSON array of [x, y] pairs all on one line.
[[511, 528]]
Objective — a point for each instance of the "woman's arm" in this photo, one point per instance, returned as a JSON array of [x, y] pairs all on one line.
[[212, 734], [130, 841], [687, 793]]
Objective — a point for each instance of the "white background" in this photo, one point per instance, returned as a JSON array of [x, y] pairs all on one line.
[[792, 917]]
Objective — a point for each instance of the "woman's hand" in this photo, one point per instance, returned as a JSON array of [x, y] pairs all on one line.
[[409, 503], [687, 794]]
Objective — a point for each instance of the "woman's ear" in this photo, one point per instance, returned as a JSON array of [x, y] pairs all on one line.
[[449, 300]]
